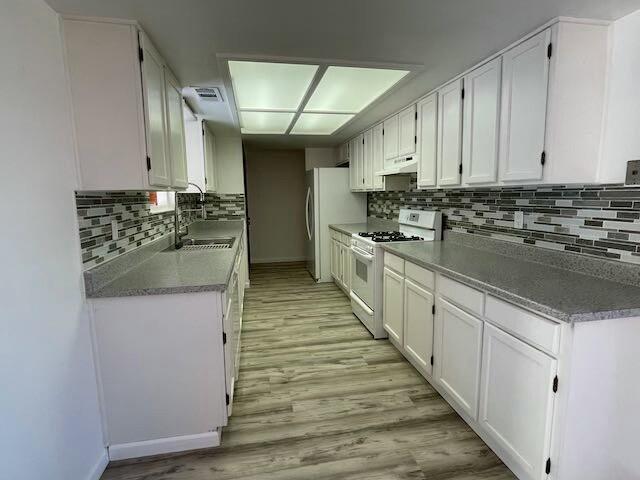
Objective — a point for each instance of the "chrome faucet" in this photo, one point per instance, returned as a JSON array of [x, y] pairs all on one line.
[[204, 210], [178, 235]]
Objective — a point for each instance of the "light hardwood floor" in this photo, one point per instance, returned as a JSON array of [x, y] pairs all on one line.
[[318, 398]]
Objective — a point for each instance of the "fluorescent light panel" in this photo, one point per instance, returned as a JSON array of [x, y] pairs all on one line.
[[270, 86], [351, 89], [265, 122], [319, 123]]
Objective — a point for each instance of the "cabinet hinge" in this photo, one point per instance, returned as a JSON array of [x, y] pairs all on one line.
[[433, 309], [415, 139], [140, 54], [226, 398], [547, 468], [549, 50], [224, 338], [460, 169], [148, 162], [431, 360], [205, 180], [363, 141], [416, 116], [383, 131], [543, 158], [462, 93], [555, 384]]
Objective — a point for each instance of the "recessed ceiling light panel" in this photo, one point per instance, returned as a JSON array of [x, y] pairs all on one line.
[[265, 122], [351, 89], [270, 86], [319, 123]]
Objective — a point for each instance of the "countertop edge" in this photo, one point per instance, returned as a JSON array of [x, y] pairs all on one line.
[[144, 292], [579, 317]]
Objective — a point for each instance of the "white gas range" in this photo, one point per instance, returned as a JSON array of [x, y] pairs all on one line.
[[367, 265]]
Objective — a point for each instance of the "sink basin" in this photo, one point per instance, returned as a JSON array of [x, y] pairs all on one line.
[[193, 244]]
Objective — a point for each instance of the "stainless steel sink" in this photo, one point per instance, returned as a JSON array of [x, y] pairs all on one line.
[[198, 244]]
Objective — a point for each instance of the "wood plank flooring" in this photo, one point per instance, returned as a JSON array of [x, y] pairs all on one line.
[[318, 398]]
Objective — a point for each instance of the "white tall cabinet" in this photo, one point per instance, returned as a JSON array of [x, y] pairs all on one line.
[[176, 132], [210, 163], [123, 103], [377, 155]]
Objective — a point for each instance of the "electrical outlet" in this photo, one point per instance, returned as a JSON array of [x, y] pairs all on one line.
[[633, 173], [114, 229], [518, 219]]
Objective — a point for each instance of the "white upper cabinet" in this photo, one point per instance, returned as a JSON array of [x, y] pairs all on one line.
[[427, 140], [517, 400], [525, 76], [120, 104], [353, 173], [390, 133], [176, 132], [210, 162], [377, 153], [367, 159], [480, 130], [407, 138], [153, 86], [358, 159], [450, 133]]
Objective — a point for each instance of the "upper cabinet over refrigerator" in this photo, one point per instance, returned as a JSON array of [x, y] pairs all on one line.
[[128, 131]]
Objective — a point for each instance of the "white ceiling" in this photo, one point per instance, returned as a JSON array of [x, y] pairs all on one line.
[[446, 37]]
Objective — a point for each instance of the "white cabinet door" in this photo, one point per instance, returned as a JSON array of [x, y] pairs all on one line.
[[525, 75], [346, 267], [359, 159], [377, 152], [418, 324], [407, 132], [457, 355], [480, 130], [393, 304], [427, 140], [390, 133], [353, 171], [335, 259], [450, 133], [211, 176], [517, 400], [175, 129], [153, 86], [367, 159]]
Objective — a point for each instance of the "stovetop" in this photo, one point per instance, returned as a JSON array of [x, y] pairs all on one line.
[[379, 237]]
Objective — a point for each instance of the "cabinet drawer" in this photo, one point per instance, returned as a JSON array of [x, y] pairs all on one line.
[[420, 275], [393, 262], [346, 239], [537, 331], [466, 297]]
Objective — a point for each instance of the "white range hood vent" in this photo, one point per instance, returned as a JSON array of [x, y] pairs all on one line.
[[400, 167]]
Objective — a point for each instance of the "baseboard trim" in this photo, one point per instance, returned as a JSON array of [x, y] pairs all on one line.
[[160, 446], [278, 260], [100, 466]]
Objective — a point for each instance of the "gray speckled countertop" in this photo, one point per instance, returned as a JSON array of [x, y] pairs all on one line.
[[562, 294], [178, 271]]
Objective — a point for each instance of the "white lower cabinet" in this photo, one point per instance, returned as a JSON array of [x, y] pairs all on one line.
[[341, 259], [418, 324], [517, 400], [458, 355], [345, 258], [393, 304], [335, 259]]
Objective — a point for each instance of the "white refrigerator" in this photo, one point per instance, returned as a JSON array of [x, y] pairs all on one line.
[[329, 200]]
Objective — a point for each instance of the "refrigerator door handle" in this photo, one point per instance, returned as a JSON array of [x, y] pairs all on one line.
[[306, 212]]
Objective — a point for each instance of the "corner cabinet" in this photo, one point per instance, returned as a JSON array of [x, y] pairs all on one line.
[[124, 101]]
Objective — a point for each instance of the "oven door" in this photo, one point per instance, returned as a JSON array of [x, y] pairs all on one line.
[[362, 275]]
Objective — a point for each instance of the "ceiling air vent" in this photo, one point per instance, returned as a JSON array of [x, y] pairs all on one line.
[[208, 94]]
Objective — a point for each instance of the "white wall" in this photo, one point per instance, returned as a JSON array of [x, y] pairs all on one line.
[[50, 424], [276, 188], [320, 157], [622, 119]]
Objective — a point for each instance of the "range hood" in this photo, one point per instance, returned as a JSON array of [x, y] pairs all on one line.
[[400, 167]]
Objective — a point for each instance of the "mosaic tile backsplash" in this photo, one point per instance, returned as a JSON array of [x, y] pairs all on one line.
[[137, 225], [599, 220]]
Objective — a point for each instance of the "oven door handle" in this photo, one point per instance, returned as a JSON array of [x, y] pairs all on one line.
[[362, 255]]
